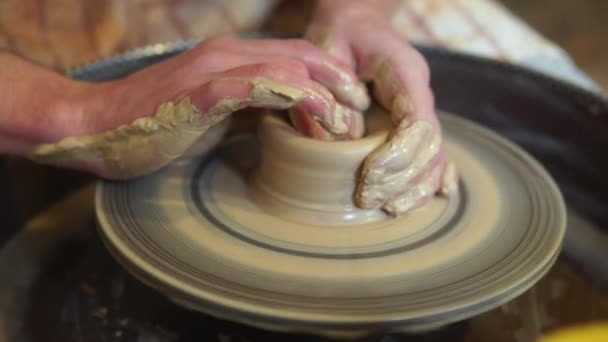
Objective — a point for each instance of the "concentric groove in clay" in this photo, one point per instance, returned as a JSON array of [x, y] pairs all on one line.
[[524, 261]]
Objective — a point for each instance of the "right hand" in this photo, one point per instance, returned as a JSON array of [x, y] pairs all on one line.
[[412, 166], [136, 125]]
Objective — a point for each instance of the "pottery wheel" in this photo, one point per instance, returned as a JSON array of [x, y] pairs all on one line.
[[195, 232]]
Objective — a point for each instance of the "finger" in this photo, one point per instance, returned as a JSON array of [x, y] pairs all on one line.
[[219, 61], [416, 196], [269, 86], [356, 125], [373, 195], [324, 68], [304, 122], [408, 150], [331, 43], [449, 180], [307, 125], [401, 80], [209, 57]]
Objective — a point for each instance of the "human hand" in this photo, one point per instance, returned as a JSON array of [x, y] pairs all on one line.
[[411, 167], [136, 125]]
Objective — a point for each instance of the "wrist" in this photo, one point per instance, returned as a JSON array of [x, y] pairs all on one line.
[[67, 111], [48, 113], [95, 108]]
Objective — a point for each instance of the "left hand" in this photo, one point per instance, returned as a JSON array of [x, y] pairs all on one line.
[[411, 167], [178, 108]]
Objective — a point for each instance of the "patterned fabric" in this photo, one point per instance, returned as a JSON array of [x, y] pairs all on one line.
[[65, 33], [488, 29]]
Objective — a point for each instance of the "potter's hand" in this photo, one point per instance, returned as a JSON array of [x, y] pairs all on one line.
[[411, 167], [137, 125]]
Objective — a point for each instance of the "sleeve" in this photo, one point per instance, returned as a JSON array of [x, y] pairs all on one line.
[[488, 29]]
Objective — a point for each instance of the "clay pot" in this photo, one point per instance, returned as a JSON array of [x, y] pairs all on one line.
[[312, 181]]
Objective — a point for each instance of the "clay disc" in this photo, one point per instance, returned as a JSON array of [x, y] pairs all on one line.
[[193, 231]]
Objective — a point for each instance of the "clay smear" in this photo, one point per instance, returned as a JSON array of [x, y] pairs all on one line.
[[150, 143]]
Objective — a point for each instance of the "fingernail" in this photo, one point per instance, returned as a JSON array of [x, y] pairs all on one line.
[[340, 119], [356, 127], [359, 95], [355, 94]]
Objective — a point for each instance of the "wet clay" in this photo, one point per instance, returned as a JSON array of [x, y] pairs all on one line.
[[306, 180], [316, 181], [395, 165], [150, 143], [298, 256]]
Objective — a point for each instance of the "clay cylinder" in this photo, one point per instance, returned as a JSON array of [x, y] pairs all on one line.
[[311, 181]]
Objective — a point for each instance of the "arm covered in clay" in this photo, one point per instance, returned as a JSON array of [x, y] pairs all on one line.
[[411, 167], [136, 125]]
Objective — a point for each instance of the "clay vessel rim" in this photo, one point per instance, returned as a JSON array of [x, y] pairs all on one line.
[[278, 126]]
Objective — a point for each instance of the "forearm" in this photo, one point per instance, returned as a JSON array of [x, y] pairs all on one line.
[[37, 105]]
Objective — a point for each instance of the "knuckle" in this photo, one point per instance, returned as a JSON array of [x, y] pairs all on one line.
[[212, 89], [273, 71], [265, 70], [296, 67]]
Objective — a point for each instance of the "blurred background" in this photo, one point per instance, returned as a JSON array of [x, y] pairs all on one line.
[[579, 27]]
